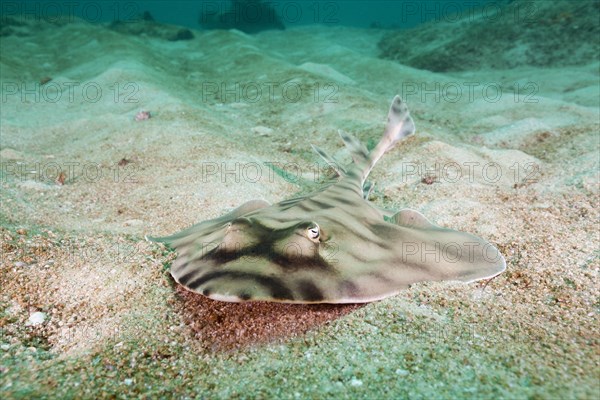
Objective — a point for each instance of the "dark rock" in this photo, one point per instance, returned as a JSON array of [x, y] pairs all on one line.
[[524, 32], [249, 16], [146, 26], [182, 34], [146, 16], [23, 26]]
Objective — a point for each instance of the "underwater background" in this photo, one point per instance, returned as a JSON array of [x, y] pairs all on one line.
[[124, 119], [385, 13]]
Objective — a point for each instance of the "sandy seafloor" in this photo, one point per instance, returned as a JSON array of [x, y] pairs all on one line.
[[520, 171]]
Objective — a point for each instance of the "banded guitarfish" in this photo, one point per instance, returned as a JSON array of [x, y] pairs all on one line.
[[331, 246]]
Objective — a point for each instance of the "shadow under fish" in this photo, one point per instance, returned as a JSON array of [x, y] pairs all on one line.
[[220, 326], [330, 246]]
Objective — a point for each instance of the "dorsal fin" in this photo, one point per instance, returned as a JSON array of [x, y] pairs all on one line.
[[341, 171], [358, 151]]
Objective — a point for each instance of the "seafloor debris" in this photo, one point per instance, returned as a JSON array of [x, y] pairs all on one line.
[[61, 178], [429, 179], [123, 161], [143, 115]]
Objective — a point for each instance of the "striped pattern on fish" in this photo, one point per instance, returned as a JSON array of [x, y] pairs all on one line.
[[330, 246]]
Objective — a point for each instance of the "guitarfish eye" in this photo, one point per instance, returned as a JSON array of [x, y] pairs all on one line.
[[313, 232]]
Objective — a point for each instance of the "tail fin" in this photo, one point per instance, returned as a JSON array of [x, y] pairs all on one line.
[[399, 125]]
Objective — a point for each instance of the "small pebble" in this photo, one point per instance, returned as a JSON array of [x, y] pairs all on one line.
[[262, 130], [356, 382], [143, 116], [133, 222], [128, 381], [36, 318]]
